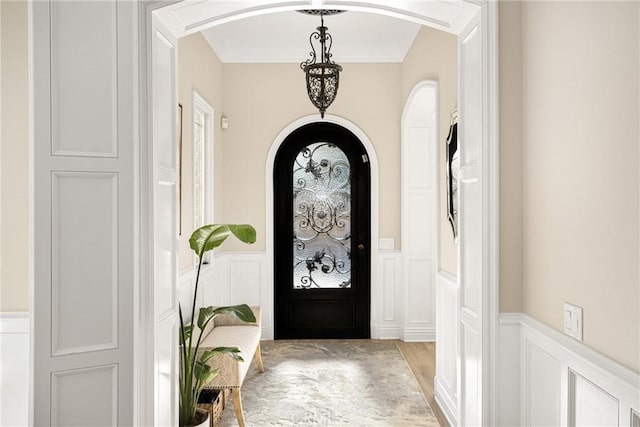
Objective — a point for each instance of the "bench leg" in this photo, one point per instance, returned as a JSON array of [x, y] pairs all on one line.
[[237, 405], [259, 358]]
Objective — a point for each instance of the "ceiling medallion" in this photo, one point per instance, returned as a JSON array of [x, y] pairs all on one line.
[[322, 74]]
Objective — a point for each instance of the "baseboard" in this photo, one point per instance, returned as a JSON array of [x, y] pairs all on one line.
[[419, 334], [385, 332], [448, 404], [267, 334], [14, 355], [14, 322], [562, 381]]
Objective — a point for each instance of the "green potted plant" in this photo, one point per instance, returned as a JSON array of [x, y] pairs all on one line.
[[194, 371]]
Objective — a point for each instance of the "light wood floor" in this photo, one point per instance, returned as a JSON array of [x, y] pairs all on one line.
[[421, 357]]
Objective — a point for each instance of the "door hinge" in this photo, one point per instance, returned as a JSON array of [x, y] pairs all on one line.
[[365, 158]]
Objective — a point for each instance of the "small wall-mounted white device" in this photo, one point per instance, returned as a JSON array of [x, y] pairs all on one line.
[[573, 321], [386, 244], [224, 122]]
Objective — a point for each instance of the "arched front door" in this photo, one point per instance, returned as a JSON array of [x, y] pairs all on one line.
[[322, 225]]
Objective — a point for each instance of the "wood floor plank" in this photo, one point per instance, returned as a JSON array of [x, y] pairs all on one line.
[[421, 357]]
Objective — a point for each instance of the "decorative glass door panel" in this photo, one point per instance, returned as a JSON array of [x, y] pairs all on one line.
[[321, 218]]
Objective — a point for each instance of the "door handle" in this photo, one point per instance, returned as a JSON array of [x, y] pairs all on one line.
[[361, 247]]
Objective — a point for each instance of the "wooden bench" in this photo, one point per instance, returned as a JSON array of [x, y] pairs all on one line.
[[229, 331]]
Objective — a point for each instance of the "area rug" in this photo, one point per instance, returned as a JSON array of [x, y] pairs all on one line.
[[332, 383]]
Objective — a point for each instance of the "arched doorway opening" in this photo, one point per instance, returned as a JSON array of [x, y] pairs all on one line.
[[475, 24], [420, 209], [478, 80], [321, 180], [363, 139]]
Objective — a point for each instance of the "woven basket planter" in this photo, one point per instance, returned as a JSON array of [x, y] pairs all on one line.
[[213, 402]]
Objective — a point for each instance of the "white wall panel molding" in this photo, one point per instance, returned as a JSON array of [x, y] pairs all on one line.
[[390, 286], [84, 209], [245, 278], [79, 388], [590, 404], [508, 375], [446, 381], [386, 318], [14, 369], [239, 278], [541, 384], [562, 381], [84, 122]]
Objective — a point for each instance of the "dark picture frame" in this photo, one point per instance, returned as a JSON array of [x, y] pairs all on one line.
[[452, 167]]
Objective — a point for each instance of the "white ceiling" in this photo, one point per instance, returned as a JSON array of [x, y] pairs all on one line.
[[284, 37]]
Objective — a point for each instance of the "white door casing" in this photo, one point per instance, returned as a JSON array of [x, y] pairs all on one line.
[[420, 207], [83, 82], [477, 270], [165, 224], [186, 18]]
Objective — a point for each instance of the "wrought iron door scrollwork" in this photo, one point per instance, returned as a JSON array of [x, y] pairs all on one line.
[[321, 218]]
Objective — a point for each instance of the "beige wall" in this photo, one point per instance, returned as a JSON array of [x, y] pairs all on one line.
[[434, 56], [580, 204], [199, 69], [510, 21], [14, 288], [371, 95], [262, 99]]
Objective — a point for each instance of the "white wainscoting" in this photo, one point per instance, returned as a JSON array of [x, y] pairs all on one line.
[[508, 381], [14, 369], [446, 379], [562, 382], [245, 277], [386, 317]]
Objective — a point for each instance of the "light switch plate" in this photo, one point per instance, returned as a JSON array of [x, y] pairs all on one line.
[[386, 244], [573, 321]]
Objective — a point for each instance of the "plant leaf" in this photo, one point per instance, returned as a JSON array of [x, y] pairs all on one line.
[[244, 232], [204, 315], [242, 312], [233, 352], [211, 236], [186, 333], [204, 373]]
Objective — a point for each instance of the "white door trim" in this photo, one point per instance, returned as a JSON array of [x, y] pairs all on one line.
[[414, 119], [491, 169], [489, 14], [373, 161]]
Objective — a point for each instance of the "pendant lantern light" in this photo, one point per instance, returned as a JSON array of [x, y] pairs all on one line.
[[321, 73]]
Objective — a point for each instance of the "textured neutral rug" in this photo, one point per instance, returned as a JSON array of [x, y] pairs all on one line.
[[332, 383]]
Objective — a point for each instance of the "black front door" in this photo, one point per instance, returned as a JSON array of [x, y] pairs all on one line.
[[322, 224]]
